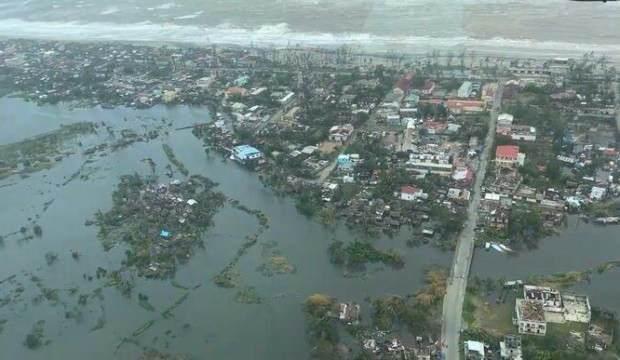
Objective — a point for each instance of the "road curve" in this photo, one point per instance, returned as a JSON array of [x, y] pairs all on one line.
[[457, 282]]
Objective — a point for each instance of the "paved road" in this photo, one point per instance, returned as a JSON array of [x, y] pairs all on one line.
[[616, 86], [457, 283]]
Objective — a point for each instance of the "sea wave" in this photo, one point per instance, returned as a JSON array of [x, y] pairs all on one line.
[[110, 10], [277, 35]]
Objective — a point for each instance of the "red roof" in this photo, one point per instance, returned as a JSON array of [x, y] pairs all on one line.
[[408, 190], [507, 152]]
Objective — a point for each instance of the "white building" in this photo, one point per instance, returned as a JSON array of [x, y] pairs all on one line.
[[474, 350], [410, 193]]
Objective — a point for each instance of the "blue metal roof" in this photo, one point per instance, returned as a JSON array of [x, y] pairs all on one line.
[[244, 151]]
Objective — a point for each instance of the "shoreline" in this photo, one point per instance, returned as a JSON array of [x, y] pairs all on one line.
[[280, 36], [502, 54]]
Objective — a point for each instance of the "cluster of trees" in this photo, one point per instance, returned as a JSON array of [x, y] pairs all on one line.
[[526, 226], [359, 253]]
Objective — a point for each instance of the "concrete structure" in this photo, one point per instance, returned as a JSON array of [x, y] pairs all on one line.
[[340, 133], [549, 298], [510, 348], [523, 133], [530, 317], [474, 350], [577, 308], [442, 168]]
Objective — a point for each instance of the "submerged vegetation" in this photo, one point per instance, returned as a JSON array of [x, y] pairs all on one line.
[[173, 159], [39, 152], [359, 253], [162, 224], [35, 338]]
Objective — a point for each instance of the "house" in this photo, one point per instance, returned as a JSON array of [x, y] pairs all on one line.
[[458, 194], [530, 317], [465, 89], [411, 100], [393, 120], [523, 133], [428, 88], [457, 106], [509, 155], [510, 348], [344, 162], [287, 101], [169, 96], [410, 193], [464, 176], [246, 153], [488, 92], [504, 124], [597, 193], [235, 91], [474, 350], [340, 133]]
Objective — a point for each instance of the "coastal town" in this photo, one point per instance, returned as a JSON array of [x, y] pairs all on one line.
[[459, 153]]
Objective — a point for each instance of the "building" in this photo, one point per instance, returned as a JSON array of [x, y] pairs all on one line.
[[340, 133], [235, 91], [287, 101], [430, 164], [597, 193], [428, 88], [510, 348], [550, 299], [504, 124], [530, 317], [344, 162], [474, 350], [410, 193], [509, 155], [465, 89], [246, 154], [457, 106], [577, 308], [523, 133]]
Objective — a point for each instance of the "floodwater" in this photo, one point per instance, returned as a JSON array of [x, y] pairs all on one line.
[[219, 327]]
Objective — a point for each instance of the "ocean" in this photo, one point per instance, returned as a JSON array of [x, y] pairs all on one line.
[[504, 27]]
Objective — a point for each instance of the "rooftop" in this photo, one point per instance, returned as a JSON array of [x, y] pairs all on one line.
[[529, 310], [507, 151]]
